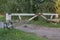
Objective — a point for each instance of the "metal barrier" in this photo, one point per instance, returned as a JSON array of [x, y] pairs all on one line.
[[8, 17]]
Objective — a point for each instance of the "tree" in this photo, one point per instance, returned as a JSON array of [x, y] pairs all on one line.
[[57, 6], [27, 6]]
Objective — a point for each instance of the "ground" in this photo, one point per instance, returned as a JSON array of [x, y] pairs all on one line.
[[48, 30], [18, 35], [41, 31]]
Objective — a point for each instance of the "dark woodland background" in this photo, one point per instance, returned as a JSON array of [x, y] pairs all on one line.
[[27, 6]]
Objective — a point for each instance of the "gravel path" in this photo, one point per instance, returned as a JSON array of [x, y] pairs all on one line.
[[1, 25], [50, 33]]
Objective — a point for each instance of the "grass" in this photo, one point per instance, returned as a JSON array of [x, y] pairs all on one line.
[[17, 35], [45, 24], [42, 22], [2, 18]]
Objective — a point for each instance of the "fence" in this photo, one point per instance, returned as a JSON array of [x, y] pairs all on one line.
[[8, 16], [43, 15]]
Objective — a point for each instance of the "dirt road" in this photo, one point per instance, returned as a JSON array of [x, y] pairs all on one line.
[[50, 33]]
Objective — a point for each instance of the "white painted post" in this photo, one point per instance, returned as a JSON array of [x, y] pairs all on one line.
[[8, 17], [56, 15]]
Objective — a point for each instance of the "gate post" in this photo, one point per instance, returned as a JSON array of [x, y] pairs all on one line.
[[56, 15], [8, 17]]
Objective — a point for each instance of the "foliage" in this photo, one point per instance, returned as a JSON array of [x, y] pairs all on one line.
[[57, 6], [26, 6]]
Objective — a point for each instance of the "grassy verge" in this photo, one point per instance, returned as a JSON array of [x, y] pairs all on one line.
[[2, 18], [17, 35], [42, 22], [45, 24]]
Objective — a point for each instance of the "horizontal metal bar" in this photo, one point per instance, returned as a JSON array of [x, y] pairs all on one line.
[[26, 14]]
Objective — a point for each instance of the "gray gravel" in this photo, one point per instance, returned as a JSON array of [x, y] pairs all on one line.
[[50, 33], [1, 24]]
